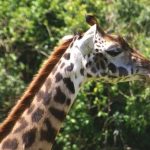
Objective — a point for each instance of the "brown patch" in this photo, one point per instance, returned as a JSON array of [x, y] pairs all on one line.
[[68, 101], [82, 71], [11, 144], [59, 97], [69, 84], [29, 137], [34, 86], [89, 64], [122, 71], [70, 67], [58, 77], [58, 114], [89, 75], [112, 67], [49, 134], [37, 115], [47, 98], [67, 56]]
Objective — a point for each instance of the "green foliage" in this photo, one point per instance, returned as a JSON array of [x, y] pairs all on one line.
[[104, 114], [11, 84]]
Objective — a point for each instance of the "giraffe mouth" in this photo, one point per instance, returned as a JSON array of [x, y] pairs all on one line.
[[145, 78]]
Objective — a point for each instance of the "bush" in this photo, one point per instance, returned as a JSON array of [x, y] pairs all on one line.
[[104, 114]]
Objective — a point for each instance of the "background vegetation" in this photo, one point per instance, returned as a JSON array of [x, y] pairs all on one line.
[[104, 115]]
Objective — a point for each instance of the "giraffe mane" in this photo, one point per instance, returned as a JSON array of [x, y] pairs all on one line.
[[27, 98]]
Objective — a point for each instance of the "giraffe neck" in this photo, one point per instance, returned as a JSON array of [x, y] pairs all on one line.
[[40, 123]]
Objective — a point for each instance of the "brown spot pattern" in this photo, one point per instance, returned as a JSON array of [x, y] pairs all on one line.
[[59, 97], [10, 144], [58, 77], [67, 56], [122, 71], [29, 137], [112, 67], [35, 85], [69, 84], [47, 98], [68, 101], [49, 134], [37, 115], [58, 114], [82, 71], [70, 67]]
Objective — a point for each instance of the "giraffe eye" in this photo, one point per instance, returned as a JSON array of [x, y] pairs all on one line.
[[114, 51]]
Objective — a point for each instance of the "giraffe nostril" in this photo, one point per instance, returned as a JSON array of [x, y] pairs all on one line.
[[132, 71], [96, 50]]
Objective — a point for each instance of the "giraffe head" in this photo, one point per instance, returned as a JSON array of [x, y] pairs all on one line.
[[110, 57]]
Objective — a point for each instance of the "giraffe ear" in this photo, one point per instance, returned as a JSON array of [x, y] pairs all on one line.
[[86, 44], [91, 20]]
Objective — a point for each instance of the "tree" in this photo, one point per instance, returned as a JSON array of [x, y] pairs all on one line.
[[103, 114]]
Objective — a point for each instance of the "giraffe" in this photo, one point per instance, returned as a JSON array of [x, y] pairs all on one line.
[[36, 119]]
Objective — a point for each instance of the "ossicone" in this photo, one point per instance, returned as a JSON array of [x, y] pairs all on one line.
[[91, 20]]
